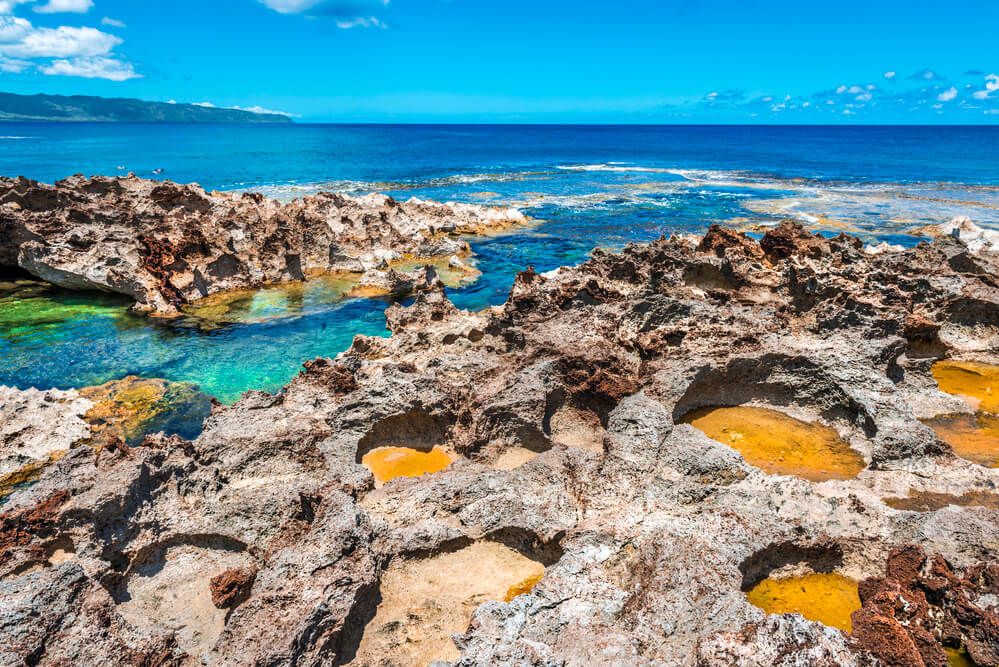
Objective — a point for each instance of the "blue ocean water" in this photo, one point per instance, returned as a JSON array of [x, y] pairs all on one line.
[[589, 186]]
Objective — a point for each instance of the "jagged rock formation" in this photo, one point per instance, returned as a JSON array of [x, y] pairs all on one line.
[[922, 602], [165, 245], [40, 427], [265, 541]]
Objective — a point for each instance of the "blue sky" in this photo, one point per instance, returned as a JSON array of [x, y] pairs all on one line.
[[664, 61]]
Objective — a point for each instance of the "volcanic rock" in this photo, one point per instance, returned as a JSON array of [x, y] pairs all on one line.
[[165, 245], [565, 409]]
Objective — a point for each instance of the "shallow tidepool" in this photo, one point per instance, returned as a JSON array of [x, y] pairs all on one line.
[[388, 463], [55, 338], [828, 598], [779, 444], [972, 437], [975, 382]]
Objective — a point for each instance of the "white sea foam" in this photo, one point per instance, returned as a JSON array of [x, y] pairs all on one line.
[[13, 138], [612, 166]]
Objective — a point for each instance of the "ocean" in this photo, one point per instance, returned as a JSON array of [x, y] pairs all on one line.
[[588, 186]]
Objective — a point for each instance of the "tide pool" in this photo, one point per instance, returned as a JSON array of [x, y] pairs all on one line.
[[587, 187]]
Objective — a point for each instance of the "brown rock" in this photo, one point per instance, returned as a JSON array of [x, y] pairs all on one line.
[[232, 588]]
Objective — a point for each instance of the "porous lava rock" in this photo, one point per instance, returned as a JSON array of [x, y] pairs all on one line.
[[564, 410], [165, 244]]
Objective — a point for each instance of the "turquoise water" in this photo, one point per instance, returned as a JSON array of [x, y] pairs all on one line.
[[588, 186]]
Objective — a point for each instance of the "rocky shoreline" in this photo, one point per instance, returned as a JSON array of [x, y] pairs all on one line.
[[564, 412], [166, 245]]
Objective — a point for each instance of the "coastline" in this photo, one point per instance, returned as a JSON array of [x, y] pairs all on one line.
[[590, 372]]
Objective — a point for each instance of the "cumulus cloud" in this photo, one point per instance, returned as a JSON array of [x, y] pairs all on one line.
[[263, 110], [926, 93], [67, 6], [948, 95], [62, 51], [991, 86], [254, 109], [347, 13], [114, 23], [61, 42], [12, 66], [91, 68], [7, 6], [890, 75]]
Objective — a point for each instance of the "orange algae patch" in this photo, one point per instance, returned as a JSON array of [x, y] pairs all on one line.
[[976, 383], [387, 463], [779, 444], [525, 586], [829, 599], [972, 437]]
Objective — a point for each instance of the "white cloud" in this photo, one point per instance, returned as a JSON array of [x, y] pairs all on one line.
[[114, 23], [361, 22], [7, 6], [348, 13], [11, 66], [253, 109], [947, 95], [13, 29], [61, 42], [92, 68], [991, 86], [262, 110], [890, 75], [63, 51], [67, 6]]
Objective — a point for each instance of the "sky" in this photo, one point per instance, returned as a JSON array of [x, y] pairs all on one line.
[[534, 61]]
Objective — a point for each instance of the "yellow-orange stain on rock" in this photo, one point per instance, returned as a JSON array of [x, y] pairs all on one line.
[[779, 444], [975, 382], [827, 598], [525, 586], [972, 437], [387, 463]]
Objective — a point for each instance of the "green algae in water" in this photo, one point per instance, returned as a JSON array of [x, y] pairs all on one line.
[[55, 338], [26, 306], [271, 302]]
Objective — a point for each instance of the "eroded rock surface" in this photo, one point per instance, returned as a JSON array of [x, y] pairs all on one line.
[[564, 409], [35, 428], [166, 245]]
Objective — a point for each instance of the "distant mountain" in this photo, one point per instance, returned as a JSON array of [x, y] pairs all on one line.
[[82, 108]]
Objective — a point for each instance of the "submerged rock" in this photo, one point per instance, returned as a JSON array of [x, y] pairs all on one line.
[[266, 540], [166, 245]]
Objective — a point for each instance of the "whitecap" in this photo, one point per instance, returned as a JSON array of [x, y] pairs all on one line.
[[612, 166]]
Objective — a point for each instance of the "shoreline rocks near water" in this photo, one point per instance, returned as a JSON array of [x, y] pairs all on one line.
[[266, 540], [166, 245]]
